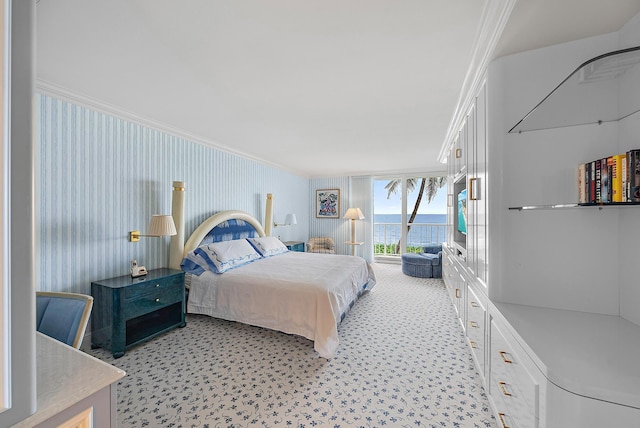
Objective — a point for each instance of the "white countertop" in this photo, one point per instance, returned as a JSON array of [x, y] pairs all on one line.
[[593, 355], [65, 376]]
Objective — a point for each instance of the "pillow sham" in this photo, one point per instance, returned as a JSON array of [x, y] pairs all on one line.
[[268, 246], [223, 256], [194, 263]]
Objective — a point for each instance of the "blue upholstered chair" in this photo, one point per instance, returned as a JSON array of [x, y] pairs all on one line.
[[63, 316], [427, 264]]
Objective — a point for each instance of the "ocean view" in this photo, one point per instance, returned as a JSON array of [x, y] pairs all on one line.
[[386, 229]]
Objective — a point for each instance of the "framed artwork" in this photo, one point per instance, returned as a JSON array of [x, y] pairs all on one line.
[[328, 203]]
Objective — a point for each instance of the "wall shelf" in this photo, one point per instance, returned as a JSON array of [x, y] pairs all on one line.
[[564, 206], [595, 86]]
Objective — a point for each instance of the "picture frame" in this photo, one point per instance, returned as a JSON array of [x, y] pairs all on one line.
[[328, 203]]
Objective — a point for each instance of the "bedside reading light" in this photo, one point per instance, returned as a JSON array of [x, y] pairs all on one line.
[[288, 221], [159, 225]]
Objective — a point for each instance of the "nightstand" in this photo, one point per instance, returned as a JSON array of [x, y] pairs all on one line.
[[128, 311], [295, 246]]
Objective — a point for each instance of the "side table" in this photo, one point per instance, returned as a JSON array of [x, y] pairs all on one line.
[[295, 246], [128, 311]]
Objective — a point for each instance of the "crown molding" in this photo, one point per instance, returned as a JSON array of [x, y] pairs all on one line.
[[494, 18]]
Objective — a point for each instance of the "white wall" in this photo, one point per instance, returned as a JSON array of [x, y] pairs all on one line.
[[576, 259]]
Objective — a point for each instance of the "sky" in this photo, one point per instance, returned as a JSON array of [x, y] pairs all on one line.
[[382, 205]]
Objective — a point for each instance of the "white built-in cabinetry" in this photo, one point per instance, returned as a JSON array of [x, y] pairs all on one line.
[[543, 296]]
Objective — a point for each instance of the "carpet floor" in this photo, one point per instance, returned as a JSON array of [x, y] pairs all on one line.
[[402, 362]]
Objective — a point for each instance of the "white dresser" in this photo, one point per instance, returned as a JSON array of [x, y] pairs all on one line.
[[75, 390]]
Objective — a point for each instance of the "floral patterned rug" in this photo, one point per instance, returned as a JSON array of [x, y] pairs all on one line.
[[402, 362]]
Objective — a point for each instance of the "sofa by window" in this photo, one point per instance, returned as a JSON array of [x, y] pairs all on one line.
[[427, 264]]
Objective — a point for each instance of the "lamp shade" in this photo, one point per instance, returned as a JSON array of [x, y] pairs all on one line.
[[161, 225], [353, 214], [291, 219]]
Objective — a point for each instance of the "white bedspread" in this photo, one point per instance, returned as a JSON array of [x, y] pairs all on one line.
[[297, 293]]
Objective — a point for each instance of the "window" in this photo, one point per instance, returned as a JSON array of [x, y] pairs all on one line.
[[409, 212]]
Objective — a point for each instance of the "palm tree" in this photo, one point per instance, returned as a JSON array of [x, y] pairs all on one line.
[[428, 186]]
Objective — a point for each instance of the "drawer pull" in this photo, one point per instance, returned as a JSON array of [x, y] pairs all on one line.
[[474, 304], [457, 293], [504, 358], [503, 389], [157, 285], [473, 344], [473, 324], [502, 421], [157, 300]]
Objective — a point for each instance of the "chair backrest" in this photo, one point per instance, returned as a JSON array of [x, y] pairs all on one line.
[[63, 316], [321, 245]]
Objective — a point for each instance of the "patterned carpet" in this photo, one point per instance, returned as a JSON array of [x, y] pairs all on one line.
[[402, 362]]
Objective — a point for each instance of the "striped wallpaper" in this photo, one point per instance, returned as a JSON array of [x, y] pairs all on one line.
[[100, 176]]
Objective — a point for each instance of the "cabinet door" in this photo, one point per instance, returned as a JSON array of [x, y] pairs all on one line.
[[472, 192], [480, 191], [450, 197], [460, 150]]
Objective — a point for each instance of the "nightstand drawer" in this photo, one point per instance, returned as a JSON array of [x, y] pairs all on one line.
[[155, 299], [154, 286]]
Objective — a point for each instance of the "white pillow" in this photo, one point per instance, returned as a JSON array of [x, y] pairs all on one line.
[[225, 255], [268, 246]]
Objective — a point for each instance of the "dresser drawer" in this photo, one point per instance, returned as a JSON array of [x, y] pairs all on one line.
[[476, 327], [514, 391], [153, 286]]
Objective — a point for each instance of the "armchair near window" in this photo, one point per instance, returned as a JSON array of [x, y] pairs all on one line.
[[321, 245], [63, 316]]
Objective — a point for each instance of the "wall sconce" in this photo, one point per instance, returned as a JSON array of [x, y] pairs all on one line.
[[289, 220], [159, 225]]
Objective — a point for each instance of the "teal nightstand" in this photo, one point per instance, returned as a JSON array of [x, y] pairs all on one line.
[[128, 311], [295, 246]]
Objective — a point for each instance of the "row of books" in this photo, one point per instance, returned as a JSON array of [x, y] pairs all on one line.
[[613, 179]]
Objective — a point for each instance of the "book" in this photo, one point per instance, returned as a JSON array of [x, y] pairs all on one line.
[[616, 166], [633, 175], [598, 181], [604, 181], [582, 185], [592, 181], [625, 193]]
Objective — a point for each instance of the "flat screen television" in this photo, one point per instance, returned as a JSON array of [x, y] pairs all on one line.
[[462, 211]]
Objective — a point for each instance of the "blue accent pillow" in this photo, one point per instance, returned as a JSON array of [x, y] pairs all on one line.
[[226, 255], [193, 263], [231, 229]]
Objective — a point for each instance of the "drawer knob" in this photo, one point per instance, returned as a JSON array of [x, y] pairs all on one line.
[[474, 304], [503, 354], [503, 389], [473, 324], [502, 420], [157, 285], [157, 300]]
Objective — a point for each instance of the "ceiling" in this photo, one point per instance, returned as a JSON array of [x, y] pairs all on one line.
[[318, 88]]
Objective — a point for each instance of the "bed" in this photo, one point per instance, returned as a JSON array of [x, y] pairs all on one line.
[[236, 273]]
